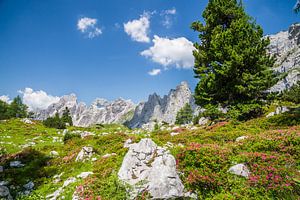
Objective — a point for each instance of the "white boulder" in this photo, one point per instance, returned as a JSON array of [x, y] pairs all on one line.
[[147, 166], [240, 170], [85, 154]]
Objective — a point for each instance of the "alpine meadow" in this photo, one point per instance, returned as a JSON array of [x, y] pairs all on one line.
[[229, 129]]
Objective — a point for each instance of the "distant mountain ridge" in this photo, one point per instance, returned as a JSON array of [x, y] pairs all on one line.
[[101, 111]]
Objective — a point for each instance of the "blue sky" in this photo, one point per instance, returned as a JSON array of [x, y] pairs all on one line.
[[43, 46]]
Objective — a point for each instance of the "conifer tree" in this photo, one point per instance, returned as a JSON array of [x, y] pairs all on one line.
[[3, 110], [17, 108], [66, 117], [184, 115], [231, 60]]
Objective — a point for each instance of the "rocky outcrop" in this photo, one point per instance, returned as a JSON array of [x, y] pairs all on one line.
[[147, 167], [101, 111], [162, 109], [285, 46]]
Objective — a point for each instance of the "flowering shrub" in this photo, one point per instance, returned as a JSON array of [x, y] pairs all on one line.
[[204, 167]]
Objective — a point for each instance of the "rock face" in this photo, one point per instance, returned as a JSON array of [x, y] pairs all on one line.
[[101, 111], [162, 109], [285, 46], [149, 167]]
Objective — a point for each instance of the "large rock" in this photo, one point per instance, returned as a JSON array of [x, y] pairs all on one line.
[[101, 111], [149, 167], [162, 109], [285, 47]]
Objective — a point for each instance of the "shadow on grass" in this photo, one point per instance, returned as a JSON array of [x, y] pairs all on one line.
[[35, 169]]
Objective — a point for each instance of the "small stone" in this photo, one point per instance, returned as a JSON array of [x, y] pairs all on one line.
[[54, 153], [241, 138], [240, 170], [174, 133], [83, 175], [69, 181], [29, 185], [203, 121], [85, 154], [27, 121], [109, 155], [16, 164]]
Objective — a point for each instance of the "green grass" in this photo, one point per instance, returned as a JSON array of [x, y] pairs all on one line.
[[203, 161]]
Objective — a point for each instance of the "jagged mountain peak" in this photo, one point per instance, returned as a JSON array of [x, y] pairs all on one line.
[[162, 108]]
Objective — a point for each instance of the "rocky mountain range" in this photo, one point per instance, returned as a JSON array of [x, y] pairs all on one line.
[[101, 111], [162, 109], [285, 46]]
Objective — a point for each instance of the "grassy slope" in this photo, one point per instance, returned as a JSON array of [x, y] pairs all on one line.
[[271, 151]]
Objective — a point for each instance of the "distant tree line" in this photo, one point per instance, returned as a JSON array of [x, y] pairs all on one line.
[[16, 109], [59, 122]]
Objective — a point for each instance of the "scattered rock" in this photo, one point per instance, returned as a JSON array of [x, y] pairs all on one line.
[[27, 121], [94, 159], [203, 121], [279, 110], [16, 164], [149, 167], [109, 155], [55, 194], [57, 178], [54, 153], [69, 181], [241, 138], [83, 175], [240, 170], [29, 186], [85, 154], [174, 133], [4, 193], [86, 134], [1, 169]]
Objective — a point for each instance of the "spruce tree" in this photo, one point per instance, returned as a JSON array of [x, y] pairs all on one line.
[[3, 110], [66, 117], [231, 60], [17, 108], [184, 115]]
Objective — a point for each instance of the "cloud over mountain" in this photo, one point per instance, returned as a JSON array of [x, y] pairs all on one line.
[[37, 99]]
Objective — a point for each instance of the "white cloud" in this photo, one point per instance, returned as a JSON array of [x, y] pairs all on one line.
[[168, 17], [176, 52], [154, 72], [170, 11], [5, 98], [88, 26], [37, 99], [138, 29]]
